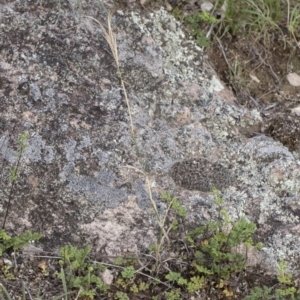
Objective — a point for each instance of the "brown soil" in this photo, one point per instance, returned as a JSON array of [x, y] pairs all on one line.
[[251, 58], [260, 81]]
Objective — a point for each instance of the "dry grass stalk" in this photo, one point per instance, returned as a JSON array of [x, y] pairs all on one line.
[[110, 37], [161, 221]]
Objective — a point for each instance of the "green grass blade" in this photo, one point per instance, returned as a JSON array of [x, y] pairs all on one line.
[[64, 282], [4, 290]]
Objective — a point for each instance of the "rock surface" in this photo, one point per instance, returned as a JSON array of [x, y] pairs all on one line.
[[59, 84]]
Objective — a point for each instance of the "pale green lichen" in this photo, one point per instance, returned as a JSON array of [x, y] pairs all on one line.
[[180, 60]]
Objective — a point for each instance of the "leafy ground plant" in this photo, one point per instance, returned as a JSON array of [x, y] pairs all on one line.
[[12, 243], [202, 261], [284, 290], [208, 259], [8, 242], [78, 273], [222, 237]]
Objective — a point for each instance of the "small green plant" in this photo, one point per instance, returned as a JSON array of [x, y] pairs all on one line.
[[164, 221], [127, 281], [259, 293], [128, 272], [283, 291], [175, 204], [177, 13], [141, 287], [124, 261], [221, 237], [252, 16], [121, 296], [194, 284], [14, 173], [194, 21], [16, 242], [78, 273], [286, 282], [173, 295], [293, 20]]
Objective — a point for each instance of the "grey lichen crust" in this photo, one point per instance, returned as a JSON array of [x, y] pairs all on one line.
[[200, 174]]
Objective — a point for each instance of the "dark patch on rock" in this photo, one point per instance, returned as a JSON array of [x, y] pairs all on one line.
[[200, 174], [286, 129]]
